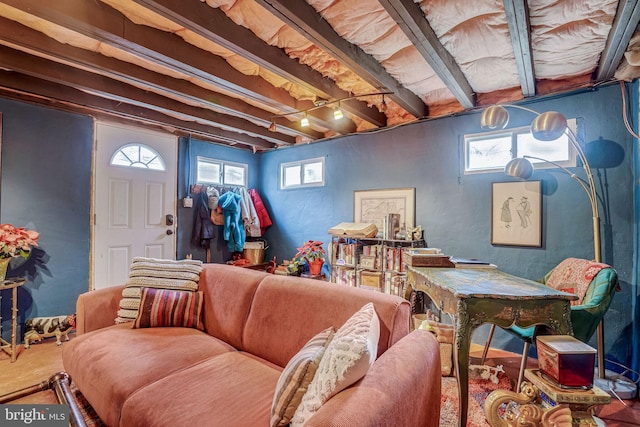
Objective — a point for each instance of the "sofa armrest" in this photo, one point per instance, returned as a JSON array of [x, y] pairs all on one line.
[[402, 388], [97, 309]]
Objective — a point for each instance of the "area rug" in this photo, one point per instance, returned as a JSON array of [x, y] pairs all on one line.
[[479, 389]]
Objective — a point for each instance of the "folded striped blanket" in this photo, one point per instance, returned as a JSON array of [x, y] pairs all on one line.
[[156, 273]]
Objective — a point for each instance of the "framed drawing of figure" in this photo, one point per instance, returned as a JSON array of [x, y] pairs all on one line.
[[516, 213]]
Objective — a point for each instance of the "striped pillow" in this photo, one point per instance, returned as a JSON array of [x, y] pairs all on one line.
[[166, 307], [295, 378]]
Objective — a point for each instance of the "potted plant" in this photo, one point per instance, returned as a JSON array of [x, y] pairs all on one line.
[[313, 253], [14, 242]]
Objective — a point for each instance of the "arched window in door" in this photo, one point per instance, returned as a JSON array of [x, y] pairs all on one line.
[[138, 156]]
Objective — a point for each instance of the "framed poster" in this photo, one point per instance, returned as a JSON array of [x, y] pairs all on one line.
[[371, 206], [516, 213]]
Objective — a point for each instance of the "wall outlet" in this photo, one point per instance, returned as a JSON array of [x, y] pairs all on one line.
[[187, 202]]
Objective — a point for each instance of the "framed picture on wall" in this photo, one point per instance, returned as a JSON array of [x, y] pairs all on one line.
[[372, 206], [516, 213]]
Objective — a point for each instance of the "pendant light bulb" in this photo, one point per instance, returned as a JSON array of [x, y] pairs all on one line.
[[272, 126], [305, 121], [383, 106], [337, 113]]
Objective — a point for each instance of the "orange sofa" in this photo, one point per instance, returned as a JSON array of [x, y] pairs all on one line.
[[255, 322]]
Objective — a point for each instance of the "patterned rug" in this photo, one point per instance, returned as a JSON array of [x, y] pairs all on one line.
[[479, 389]]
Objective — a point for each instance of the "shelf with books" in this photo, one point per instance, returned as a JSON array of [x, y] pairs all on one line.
[[371, 263]]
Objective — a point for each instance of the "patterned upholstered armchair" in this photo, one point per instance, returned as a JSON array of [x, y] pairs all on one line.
[[594, 283]]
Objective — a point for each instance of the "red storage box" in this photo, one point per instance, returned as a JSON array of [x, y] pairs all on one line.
[[566, 360]]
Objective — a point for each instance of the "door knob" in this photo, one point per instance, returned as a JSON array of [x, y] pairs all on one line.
[[169, 232], [168, 219]]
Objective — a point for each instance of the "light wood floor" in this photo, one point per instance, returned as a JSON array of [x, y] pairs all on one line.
[[44, 359]]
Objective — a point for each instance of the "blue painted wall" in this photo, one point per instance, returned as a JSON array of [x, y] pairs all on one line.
[[454, 209], [46, 186]]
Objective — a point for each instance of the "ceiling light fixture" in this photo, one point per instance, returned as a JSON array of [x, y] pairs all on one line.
[[305, 121], [383, 105], [337, 112]]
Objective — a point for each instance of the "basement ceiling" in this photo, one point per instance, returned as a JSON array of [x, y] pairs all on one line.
[[226, 71]]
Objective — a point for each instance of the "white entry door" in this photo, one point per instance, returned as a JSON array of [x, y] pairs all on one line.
[[135, 200]]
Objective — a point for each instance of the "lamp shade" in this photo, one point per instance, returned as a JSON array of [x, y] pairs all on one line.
[[548, 126], [494, 117], [519, 168]]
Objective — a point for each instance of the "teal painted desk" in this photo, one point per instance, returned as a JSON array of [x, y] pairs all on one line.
[[473, 296]]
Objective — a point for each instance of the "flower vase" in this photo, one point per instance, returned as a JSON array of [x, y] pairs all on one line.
[[315, 266], [4, 264]]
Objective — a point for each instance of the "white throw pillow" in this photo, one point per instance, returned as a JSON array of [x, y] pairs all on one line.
[[296, 377], [346, 360]]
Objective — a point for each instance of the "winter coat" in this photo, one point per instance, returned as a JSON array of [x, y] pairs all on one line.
[[234, 232], [261, 211], [203, 228]]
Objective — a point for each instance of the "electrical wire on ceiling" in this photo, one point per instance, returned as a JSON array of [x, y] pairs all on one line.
[[624, 111], [337, 112]]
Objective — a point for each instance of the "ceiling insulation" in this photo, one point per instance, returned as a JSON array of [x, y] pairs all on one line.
[[242, 66]]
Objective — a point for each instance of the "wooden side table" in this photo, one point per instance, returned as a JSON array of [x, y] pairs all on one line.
[[541, 403], [6, 346]]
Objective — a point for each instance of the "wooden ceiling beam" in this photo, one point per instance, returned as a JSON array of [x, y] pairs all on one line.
[[413, 23], [102, 23], [302, 17], [624, 26], [26, 39], [118, 91], [212, 24], [33, 89], [517, 12]]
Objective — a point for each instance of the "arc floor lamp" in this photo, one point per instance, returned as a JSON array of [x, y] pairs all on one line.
[[550, 126]]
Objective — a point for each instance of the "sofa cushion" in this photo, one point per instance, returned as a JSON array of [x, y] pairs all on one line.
[[230, 390], [346, 360], [166, 307], [295, 378], [287, 311], [110, 364]]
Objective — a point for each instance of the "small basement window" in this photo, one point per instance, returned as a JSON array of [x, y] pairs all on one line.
[[491, 151], [303, 173], [220, 172]]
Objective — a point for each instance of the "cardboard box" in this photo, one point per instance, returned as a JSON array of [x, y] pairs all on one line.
[[566, 361]]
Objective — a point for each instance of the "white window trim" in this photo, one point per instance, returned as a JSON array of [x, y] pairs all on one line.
[[513, 132], [301, 163], [222, 164]]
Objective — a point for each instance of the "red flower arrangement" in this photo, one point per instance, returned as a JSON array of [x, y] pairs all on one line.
[[311, 251], [16, 241]]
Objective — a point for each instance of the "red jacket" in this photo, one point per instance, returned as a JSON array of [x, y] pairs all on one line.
[[263, 215]]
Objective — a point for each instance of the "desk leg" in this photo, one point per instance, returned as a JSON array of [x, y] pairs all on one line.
[[461, 344]]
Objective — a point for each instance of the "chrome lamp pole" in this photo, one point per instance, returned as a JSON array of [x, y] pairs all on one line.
[[550, 126]]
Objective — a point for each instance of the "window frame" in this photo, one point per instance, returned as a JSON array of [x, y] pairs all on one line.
[[221, 178], [513, 134], [301, 164], [132, 163]]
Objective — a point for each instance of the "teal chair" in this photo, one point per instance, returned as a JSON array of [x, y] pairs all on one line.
[[593, 283]]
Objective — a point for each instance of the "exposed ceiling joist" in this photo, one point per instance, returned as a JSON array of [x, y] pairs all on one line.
[[53, 93], [301, 16], [28, 40], [213, 24], [106, 25], [520, 29], [410, 18], [121, 92], [624, 25]]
